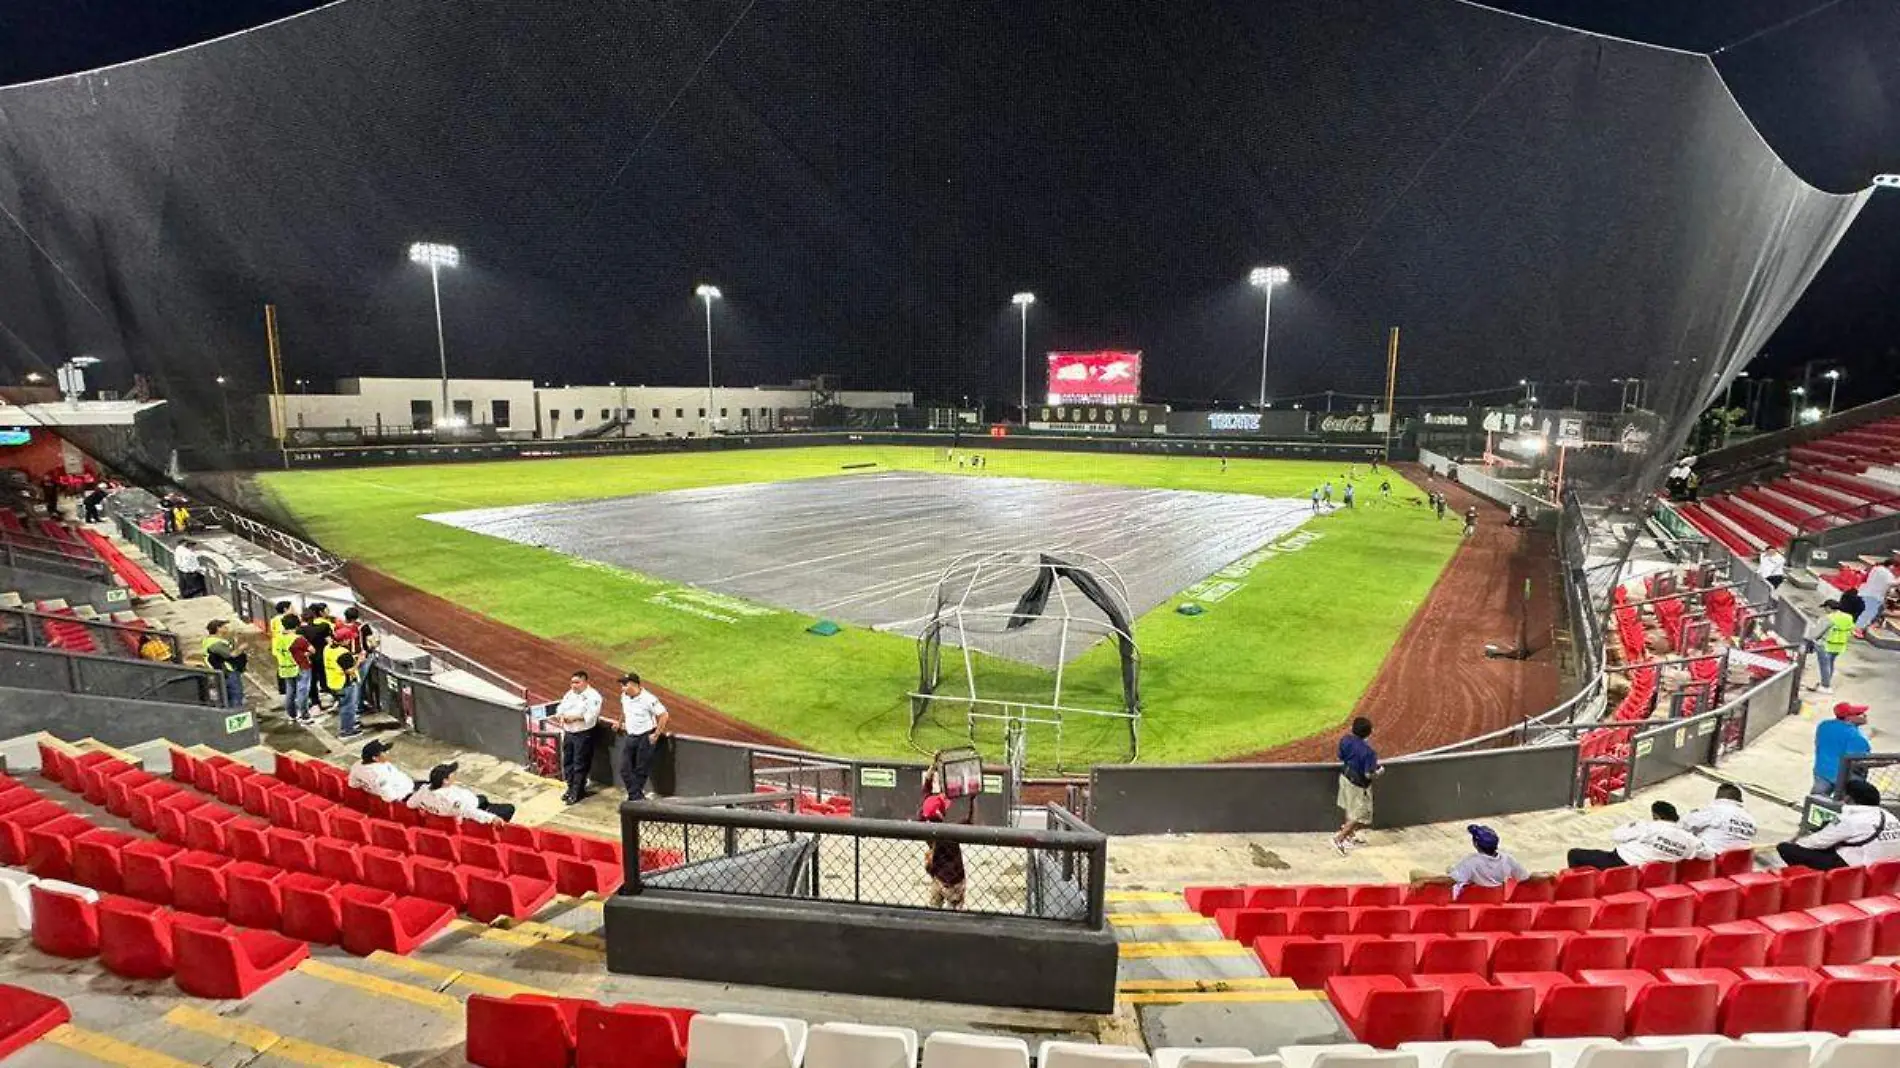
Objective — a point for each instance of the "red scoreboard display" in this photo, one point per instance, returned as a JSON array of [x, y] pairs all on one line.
[[1094, 377]]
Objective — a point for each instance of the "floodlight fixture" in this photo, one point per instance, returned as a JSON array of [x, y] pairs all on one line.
[[35, 376], [1024, 299], [707, 294], [1887, 181], [1811, 415], [433, 254], [1265, 278], [220, 380]]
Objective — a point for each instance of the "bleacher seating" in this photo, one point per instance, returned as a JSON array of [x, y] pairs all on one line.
[[1843, 478]]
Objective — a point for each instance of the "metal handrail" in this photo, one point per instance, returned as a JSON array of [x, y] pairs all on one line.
[[36, 541], [1803, 527]]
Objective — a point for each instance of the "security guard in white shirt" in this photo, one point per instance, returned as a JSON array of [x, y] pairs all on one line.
[[1722, 824], [376, 775], [643, 718], [576, 715], [1660, 837], [1864, 834]]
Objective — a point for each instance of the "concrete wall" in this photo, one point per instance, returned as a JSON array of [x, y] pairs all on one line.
[[678, 411], [105, 676], [1238, 798], [859, 949], [385, 402], [121, 722]]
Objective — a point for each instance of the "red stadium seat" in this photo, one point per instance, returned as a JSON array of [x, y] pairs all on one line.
[[1761, 894], [618, 1035], [255, 897], [1801, 889], [135, 938], [1717, 901], [340, 860], [1383, 1012], [1575, 884], [1565, 916], [479, 854], [1661, 1008], [1611, 881], [1655, 873], [1838, 1005], [1883, 878], [1850, 933], [1423, 894], [198, 883], [588, 848], [48, 846], [148, 870], [1440, 919], [1671, 906], [1375, 895], [1380, 921], [386, 869], [1324, 897], [1885, 911], [445, 847], [1450, 954], [313, 908], [574, 876], [391, 835], [1695, 870], [1524, 953], [491, 896], [1743, 944], [98, 860], [292, 850], [523, 1031], [13, 827], [1749, 1006], [1506, 918], [1271, 897], [1374, 955], [1474, 894], [395, 926], [1843, 884], [1318, 921], [1795, 940], [519, 836], [248, 840], [1535, 890], [1477, 1011], [1652, 951], [349, 826], [1598, 950], [64, 924], [1628, 912], [528, 862], [1309, 962], [25, 1016], [562, 844], [1734, 861], [1570, 1009], [216, 960], [441, 880]]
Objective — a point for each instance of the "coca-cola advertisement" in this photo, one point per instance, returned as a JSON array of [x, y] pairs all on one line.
[[1107, 377]]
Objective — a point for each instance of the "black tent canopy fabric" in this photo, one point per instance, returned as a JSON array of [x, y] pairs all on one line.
[[869, 183]]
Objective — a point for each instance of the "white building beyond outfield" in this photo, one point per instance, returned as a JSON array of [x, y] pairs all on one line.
[[519, 409]]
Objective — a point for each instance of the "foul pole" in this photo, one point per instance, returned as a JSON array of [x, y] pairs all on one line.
[[1391, 385]]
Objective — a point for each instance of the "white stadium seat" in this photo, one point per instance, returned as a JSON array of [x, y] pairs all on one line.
[[1473, 1054], [849, 1045], [85, 893], [1344, 1055], [16, 909], [1054, 1054], [948, 1049], [738, 1040], [1566, 1052], [1715, 1051], [1812, 1041], [1860, 1053], [1213, 1057]]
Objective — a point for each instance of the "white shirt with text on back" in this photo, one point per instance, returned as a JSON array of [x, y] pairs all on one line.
[[639, 715], [1721, 824], [1649, 840], [456, 802], [1865, 834], [578, 712], [386, 781]]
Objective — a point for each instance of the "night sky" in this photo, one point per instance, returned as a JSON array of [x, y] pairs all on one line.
[[1818, 78]]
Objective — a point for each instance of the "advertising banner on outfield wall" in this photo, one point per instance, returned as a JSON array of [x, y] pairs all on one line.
[[1267, 424], [1350, 423], [1101, 418]]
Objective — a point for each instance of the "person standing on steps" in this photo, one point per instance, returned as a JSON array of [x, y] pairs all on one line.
[[222, 656], [1358, 766], [1873, 590], [1828, 637], [643, 719], [576, 715], [1836, 739], [1772, 566]]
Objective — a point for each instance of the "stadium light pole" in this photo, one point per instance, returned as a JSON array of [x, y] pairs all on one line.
[[1794, 401], [1266, 278], [1833, 385], [1022, 301], [708, 294], [435, 257]]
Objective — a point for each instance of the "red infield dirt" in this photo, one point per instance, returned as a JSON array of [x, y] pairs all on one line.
[[537, 663], [1436, 685]]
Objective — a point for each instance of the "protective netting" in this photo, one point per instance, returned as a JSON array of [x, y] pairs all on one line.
[[868, 183]]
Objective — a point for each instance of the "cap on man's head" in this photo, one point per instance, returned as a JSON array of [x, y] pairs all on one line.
[[372, 750], [1483, 839], [935, 806], [1862, 792], [629, 677], [440, 774], [1849, 710]]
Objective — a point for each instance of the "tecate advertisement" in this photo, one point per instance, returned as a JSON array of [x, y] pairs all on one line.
[[1094, 377]]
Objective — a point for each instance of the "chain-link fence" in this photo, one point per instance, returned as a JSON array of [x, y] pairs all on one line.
[[1881, 769], [717, 847]]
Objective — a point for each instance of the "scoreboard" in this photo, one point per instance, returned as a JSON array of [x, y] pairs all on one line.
[[1106, 377]]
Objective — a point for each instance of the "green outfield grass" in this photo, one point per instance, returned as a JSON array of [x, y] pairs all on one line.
[[1284, 656]]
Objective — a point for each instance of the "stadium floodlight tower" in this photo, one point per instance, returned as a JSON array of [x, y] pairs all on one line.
[[1016, 604], [436, 256], [1266, 278], [708, 294], [1022, 301], [1833, 386]]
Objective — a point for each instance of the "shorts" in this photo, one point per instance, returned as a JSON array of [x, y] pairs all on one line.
[[1355, 801], [946, 895]]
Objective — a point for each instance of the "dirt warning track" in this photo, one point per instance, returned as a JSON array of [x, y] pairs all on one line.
[[1436, 685]]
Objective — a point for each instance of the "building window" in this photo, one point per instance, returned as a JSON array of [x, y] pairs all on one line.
[[656, 413], [702, 413], [745, 413], [464, 410], [679, 413], [498, 413], [606, 414], [421, 414], [580, 414], [722, 413]]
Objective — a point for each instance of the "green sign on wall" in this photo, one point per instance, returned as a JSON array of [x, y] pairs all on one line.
[[236, 722]]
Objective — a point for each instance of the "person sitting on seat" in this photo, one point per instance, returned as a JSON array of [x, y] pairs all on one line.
[[1864, 834], [1487, 865], [443, 797], [376, 775], [1661, 837], [1722, 824]]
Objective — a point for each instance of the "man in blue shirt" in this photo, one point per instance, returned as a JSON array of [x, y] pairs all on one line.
[[1358, 766], [1836, 738]]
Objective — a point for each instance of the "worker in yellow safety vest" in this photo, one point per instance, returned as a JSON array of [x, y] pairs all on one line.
[[293, 670], [339, 673]]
